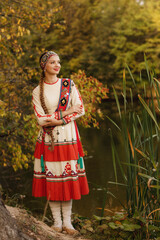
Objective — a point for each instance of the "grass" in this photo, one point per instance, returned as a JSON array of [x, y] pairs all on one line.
[[140, 133]]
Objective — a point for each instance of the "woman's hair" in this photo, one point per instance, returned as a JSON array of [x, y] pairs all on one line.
[[41, 57], [43, 104]]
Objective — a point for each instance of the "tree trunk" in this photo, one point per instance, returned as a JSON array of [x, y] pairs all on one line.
[[8, 227]]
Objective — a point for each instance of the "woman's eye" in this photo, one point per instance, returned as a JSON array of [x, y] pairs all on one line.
[[54, 62]]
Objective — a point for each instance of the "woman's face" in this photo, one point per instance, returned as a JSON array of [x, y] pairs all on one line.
[[53, 65]]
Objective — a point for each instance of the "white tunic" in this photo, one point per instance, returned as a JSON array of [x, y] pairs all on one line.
[[60, 165]]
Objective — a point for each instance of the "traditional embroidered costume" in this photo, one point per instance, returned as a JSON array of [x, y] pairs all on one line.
[[59, 174]]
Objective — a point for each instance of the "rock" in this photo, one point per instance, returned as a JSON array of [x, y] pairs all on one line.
[[88, 222], [86, 226], [35, 229], [9, 229], [90, 229]]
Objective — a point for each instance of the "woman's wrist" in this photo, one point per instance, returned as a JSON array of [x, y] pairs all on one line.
[[62, 114], [65, 113], [60, 122]]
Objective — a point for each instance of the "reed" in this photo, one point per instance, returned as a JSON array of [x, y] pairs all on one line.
[[140, 133]]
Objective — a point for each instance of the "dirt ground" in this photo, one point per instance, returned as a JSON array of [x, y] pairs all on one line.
[[35, 229]]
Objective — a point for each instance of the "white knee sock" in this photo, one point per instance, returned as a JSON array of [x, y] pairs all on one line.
[[56, 213], [66, 212]]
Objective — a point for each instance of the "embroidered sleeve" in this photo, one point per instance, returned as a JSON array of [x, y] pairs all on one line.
[[38, 110], [75, 99]]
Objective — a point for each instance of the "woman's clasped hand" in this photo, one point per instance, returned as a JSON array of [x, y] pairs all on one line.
[[54, 122]]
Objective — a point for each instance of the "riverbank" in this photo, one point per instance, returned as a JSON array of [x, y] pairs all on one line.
[[35, 229], [118, 227]]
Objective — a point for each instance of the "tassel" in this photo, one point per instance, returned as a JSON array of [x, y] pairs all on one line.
[[42, 164], [52, 146], [80, 161]]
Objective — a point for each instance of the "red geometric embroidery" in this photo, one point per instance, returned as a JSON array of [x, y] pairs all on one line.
[[69, 118], [76, 167], [46, 168], [68, 168]]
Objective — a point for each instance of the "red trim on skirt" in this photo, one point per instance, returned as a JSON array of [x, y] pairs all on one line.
[[60, 153], [60, 191]]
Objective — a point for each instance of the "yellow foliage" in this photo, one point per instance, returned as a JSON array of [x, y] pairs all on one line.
[[12, 11], [92, 92], [28, 32], [18, 77], [8, 36]]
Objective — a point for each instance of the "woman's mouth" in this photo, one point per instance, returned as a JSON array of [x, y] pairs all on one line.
[[56, 69]]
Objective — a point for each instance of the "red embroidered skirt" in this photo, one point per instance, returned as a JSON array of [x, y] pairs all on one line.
[[63, 177]]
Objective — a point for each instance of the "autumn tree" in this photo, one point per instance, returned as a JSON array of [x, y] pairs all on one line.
[[24, 27], [101, 37], [21, 23], [123, 33]]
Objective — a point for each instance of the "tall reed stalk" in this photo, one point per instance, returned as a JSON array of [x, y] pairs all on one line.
[[140, 133]]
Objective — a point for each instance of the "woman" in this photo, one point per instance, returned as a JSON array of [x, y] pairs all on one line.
[[59, 172]]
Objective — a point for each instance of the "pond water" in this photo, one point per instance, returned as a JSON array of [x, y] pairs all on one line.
[[99, 168]]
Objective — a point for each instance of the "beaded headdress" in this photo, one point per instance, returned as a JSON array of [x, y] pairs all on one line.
[[45, 58]]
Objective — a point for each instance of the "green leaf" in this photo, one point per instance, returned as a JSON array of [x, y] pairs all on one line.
[[155, 186], [131, 75], [147, 68], [115, 226], [113, 122], [124, 89], [118, 217], [146, 176], [117, 101], [131, 227], [120, 184], [153, 228], [134, 165], [148, 110], [113, 156]]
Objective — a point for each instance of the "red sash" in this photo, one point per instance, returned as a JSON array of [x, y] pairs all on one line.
[[64, 94]]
